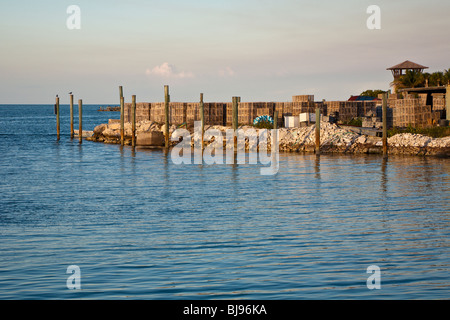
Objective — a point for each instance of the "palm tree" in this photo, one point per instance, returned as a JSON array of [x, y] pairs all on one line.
[[447, 76], [410, 79], [426, 78], [437, 79]]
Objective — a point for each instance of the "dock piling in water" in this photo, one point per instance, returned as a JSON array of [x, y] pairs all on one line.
[[133, 121], [72, 133], [80, 121], [275, 120], [235, 118], [57, 119], [166, 109], [447, 101], [317, 131], [122, 116], [384, 110], [122, 121], [202, 117]]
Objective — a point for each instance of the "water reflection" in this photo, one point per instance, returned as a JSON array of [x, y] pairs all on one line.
[[80, 152], [166, 155], [231, 233], [122, 158], [317, 167], [384, 177], [234, 170], [417, 174], [133, 160]]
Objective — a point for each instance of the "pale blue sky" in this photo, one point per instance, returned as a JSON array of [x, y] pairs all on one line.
[[260, 50]]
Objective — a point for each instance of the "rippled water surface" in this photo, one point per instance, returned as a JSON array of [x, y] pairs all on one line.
[[141, 227]]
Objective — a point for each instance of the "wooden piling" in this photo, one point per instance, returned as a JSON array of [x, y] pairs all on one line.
[[275, 120], [72, 132], [317, 131], [202, 117], [235, 112], [122, 116], [122, 121], [166, 109], [384, 110], [447, 101], [235, 102], [80, 121], [133, 121], [57, 120]]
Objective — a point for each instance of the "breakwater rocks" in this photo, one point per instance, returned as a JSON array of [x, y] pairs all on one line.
[[336, 139], [147, 133], [108, 109], [333, 139]]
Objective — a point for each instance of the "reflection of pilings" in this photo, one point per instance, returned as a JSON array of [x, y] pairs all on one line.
[[133, 161], [80, 156], [234, 173], [428, 173], [384, 178], [122, 158], [166, 166], [317, 166]]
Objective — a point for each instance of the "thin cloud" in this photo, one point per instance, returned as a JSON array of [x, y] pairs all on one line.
[[227, 72], [167, 70]]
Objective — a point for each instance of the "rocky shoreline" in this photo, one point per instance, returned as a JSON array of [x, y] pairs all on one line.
[[333, 139]]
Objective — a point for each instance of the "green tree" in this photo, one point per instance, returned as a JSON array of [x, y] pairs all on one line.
[[372, 93], [447, 76], [426, 76], [437, 78], [411, 79]]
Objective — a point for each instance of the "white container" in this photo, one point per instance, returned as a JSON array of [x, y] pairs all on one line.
[[304, 117], [291, 122]]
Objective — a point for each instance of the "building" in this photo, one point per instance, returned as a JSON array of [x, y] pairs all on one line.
[[397, 70]]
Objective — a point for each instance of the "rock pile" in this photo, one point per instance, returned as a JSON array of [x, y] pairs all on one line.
[[332, 139], [110, 133], [418, 140]]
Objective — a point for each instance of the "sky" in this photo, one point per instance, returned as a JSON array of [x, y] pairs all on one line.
[[260, 50]]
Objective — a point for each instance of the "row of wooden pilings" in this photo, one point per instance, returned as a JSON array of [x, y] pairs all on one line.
[[80, 119], [235, 103]]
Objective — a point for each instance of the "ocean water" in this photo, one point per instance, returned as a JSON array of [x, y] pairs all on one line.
[[140, 227]]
